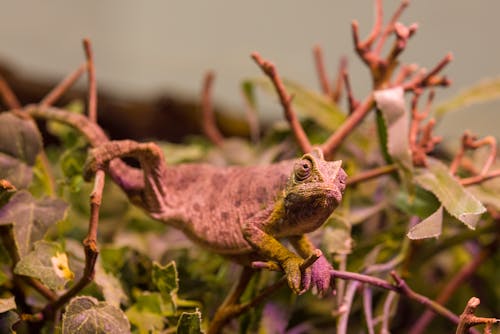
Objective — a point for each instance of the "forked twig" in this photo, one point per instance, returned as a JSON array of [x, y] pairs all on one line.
[[9, 98], [286, 101]]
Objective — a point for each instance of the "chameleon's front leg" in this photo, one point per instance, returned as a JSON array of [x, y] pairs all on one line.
[[269, 247], [321, 278], [152, 196]]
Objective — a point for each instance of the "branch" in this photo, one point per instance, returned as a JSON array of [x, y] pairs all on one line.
[[269, 69], [468, 319], [63, 86], [8, 96], [209, 123], [92, 107], [320, 70]]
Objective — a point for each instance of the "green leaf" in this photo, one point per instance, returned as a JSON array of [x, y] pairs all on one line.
[[166, 280], [189, 323], [487, 192], [421, 203], [452, 195], [19, 138], [48, 263], [429, 227], [30, 218], [307, 102], [7, 304], [484, 91], [337, 238], [148, 313], [110, 286], [391, 103], [87, 315]]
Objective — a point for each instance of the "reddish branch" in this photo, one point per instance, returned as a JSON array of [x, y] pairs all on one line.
[[63, 86], [421, 139], [209, 123], [286, 101], [335, 92], [468, 319], [8, 96], [382, 69], [90, 241]]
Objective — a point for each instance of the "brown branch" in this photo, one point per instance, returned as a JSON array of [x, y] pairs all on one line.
[[377, 26], [339, 81], [468, 319], [389, 28], [90, 241], [92, 99], [371, 174], [209, 123], [270, 70], [8, 96], [320, 70], [331, 145], [63, 86], [431, 79], [353, 103]]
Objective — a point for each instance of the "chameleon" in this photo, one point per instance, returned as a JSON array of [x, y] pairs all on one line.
[[239, 212]]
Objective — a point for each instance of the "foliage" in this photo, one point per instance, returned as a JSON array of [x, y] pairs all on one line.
[[398, 220]]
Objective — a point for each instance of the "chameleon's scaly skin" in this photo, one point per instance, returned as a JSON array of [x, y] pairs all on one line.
[[238, 212]]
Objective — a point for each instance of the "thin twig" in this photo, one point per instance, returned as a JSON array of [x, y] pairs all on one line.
[[209, 123], [8, 96], [389, 300], [371, 174], [286, 101], [339, 81], [353, 103], [389, 28], [321, 71], [367, 309], [63, 86], [468, 319], [345, 307], [92, 99]]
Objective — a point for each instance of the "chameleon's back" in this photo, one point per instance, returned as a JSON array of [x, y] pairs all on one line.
[[210, 203]]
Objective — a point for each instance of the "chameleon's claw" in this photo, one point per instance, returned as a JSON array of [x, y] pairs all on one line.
[[298, 279], [321, 276]]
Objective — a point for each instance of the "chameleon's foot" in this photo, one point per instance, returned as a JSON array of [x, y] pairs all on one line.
[[321, 277], [298, 279]]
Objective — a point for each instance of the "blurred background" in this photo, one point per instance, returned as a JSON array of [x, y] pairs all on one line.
[[159, 50]]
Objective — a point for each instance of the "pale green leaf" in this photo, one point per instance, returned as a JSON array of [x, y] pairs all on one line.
[[7, 304], [31, 217], [167, 281], [307, 102], [483, 91], [437, 179], [397, 120], [189, 323], [487, 192], [87, 315], [47, 263], [429, 227], [337, 238], [148, 313], [110, 286]]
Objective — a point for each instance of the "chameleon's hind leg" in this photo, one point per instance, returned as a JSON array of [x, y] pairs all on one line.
[[230, 308], [152, 193]]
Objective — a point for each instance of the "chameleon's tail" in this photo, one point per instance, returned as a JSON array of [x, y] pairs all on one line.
[[91, 131], [128, 178]]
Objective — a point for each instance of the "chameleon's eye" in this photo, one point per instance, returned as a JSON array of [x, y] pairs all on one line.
[[302, 169]]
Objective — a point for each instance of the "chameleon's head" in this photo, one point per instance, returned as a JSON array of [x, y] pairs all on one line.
[[313, 191]]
